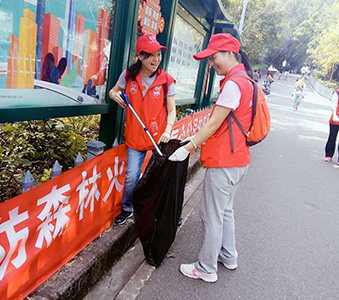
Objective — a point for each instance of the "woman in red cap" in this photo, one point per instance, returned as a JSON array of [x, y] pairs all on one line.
[[151, 93], [225, 168]]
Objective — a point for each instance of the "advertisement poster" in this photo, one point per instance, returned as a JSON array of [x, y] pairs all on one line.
[[183, 67], [53, 52]]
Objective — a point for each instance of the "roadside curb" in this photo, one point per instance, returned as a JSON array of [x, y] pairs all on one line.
[[77, 277], [142, 275]]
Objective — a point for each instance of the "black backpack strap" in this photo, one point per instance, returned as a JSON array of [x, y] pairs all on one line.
[[231, 132], [254, 104], [231, 115]]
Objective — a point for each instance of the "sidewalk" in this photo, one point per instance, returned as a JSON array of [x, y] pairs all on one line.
[[83, 272], [125, 280]]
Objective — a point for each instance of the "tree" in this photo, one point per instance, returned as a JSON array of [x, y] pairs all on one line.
[[276, 30], [261, 26], [324, 47]]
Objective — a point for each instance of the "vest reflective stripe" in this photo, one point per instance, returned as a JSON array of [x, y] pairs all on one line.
[[152, 109], [217, 152]]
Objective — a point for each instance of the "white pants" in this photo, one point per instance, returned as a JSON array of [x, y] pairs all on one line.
[[216, 212]]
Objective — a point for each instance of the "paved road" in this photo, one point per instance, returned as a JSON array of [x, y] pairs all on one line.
[[287, 217]]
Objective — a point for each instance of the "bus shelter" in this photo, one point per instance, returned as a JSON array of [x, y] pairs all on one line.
[[60, 58]]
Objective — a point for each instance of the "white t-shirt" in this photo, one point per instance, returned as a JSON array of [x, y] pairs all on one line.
[[146, 82], [334, 99], [230, 96]]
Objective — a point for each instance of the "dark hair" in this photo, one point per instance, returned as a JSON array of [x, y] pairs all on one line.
[[62, 66], [243, 58], [133, 70]]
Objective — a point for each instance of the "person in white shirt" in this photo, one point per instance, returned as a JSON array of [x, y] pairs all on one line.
[[298, 93]]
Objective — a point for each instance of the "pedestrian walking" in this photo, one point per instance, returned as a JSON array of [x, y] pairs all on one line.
[[303, 71], [282, 69], [151, 93], [297, 94], [225, 169], [334, 128], [287, 71]]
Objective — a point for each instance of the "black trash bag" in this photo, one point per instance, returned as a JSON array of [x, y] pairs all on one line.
[[157, 202]]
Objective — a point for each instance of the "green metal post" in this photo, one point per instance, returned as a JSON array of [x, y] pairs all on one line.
[[168, 11], [206, 99], [199, 91], [123, 41]]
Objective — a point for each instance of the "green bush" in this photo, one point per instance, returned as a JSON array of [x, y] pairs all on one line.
[[321, 77], [180, 110], [35, 145], [262, 67]]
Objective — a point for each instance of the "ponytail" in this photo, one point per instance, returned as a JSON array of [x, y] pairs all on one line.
[[133, 70], [247, 63]]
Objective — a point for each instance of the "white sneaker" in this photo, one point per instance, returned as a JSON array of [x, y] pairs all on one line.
[[190, 271], [228, 266]]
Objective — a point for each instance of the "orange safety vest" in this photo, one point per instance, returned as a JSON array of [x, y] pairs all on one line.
[[151, 108], [331, 119], [217, 150]]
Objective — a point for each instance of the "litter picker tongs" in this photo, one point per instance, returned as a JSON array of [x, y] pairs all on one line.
[[126, 100]]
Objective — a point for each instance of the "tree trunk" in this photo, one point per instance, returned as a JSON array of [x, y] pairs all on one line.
[[334, 68]]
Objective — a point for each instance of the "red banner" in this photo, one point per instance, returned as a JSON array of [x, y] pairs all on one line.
[[44, 228]]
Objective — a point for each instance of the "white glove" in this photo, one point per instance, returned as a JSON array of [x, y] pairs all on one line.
[[179, 155], [335, 118]]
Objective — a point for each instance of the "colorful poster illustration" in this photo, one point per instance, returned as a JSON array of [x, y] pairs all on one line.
[[53, 52]]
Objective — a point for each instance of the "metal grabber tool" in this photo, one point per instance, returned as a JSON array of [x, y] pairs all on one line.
[[126, 100]]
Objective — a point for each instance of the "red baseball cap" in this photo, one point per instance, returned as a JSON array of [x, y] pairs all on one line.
[[148, 43], [219, 42]]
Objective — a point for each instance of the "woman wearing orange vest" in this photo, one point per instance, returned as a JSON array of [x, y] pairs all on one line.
[[334, 128], [225, 168], [145, 84]]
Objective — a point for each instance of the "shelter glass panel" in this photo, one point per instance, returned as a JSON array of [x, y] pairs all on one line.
[[182, 66], [216, 85]]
